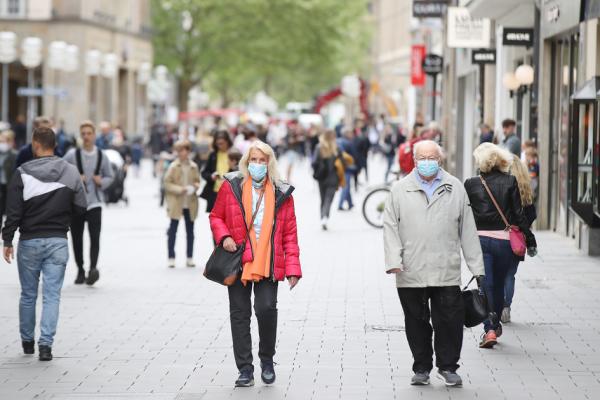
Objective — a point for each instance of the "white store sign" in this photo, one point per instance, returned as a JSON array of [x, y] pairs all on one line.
[[465, 31]]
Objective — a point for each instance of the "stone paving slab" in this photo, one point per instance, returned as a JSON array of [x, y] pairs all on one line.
[[147, 332]]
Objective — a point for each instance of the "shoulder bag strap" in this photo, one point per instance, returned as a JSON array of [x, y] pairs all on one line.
[[489, 192]]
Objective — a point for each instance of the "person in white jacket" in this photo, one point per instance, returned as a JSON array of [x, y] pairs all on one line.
[[427, 220]]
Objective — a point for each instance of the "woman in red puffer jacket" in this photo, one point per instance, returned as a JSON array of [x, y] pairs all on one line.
[[255, 208]]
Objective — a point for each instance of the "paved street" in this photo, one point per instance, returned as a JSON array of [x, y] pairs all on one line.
[[147, 332]]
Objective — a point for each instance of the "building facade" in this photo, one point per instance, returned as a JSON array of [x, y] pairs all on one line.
[[114, 27]]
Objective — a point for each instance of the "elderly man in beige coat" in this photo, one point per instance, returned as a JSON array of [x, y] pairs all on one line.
[[427, 220]]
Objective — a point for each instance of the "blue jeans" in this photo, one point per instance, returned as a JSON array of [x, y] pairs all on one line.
[[189, 232], [498, 259], [345, 195], [509, 286], [47, 256]]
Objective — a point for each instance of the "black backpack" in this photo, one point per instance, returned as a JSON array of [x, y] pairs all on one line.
[[80, 163]]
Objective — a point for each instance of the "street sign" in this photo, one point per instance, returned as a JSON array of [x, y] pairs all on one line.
[[433, 64], [39, 92], [465, 31], [517, 37], [429, 9], [483, 56], [417, 55]]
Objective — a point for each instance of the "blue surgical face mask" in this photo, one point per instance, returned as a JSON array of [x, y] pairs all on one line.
[[428, 168], [257, 171]]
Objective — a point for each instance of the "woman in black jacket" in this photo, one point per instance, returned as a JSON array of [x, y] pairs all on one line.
[[494, 165], [216, 167], [325, 172]]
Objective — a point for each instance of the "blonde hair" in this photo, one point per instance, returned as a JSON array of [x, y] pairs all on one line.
[[327, 144], [272, 167], [182, 144], [488, 157], [520, 172]]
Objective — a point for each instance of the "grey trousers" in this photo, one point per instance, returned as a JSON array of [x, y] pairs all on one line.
[[327, 194]]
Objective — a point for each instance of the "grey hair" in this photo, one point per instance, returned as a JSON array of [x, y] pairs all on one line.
[[418, 145]]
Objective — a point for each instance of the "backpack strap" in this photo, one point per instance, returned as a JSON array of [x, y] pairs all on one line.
[[78, 160], [98, 162]]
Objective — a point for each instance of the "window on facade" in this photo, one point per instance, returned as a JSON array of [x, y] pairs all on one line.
[[585, 153]]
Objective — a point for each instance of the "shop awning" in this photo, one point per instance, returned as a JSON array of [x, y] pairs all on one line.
[[495, 9], [589, 91]]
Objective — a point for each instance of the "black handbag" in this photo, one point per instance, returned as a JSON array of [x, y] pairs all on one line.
[[476, 306], [224, 266]]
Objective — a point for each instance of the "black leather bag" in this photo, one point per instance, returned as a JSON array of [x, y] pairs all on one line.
[[224, 266], [476, 306]]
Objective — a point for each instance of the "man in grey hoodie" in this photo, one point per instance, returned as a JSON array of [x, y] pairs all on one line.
[[97, 175], [44, 194]]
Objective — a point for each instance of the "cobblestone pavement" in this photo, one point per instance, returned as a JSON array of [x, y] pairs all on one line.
[[148, 332]]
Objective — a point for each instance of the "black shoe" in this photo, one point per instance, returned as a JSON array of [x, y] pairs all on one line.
[[93, 276], [28, 347], [246, 379], [268, 372], [80, 277], [45, 353]]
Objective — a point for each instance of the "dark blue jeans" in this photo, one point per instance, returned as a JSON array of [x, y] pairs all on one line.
[[189, 231], [499, 260], [346, 196], [509, 286]]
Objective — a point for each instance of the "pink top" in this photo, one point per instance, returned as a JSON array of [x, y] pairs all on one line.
[[502, 235]]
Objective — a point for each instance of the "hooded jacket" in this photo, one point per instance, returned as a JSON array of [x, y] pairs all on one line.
[[227, 220], [43, 195]]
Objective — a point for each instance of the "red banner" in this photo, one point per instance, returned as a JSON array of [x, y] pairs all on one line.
[[417, 75]]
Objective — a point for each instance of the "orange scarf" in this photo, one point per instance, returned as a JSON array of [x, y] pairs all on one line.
[[260, 266]]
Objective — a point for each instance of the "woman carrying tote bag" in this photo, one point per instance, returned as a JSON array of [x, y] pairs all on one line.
[[255, 209]]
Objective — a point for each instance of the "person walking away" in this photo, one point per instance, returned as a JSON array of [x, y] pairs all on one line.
[[486, 134], [8, 156], [20, 129], [97, 175], [216, 167], [346, 145], [520, 172], [105, 138], [389, 144], [494, 163], [182, 181], [329, 170], [43, 195], [427, 221], [234, 157], [256, 198], [26, 152], [511, 141]]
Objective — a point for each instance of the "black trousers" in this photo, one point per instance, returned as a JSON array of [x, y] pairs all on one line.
[[93, 218], [240, 311], [3, 194], [327, 194], [447, 316]]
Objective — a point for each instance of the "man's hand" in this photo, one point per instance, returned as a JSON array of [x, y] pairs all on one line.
[[229, 245], [395, 270], [97, 180], [9, 253], [293, 281], [83, 178]]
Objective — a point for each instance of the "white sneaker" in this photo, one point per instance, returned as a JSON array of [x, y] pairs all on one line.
[[190, 263], [171, 263], [505, 317], [324, 223]]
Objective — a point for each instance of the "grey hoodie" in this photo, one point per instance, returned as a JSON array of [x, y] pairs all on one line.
[[95, 195], [42, 197]]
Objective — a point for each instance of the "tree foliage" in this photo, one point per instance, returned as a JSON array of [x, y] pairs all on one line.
[[292, 49]]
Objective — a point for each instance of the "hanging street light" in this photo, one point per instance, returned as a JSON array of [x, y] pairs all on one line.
[[93, 62], [8, 54], [31, 58]]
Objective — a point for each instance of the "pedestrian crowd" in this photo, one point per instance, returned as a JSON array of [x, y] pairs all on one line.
[[431, 219]]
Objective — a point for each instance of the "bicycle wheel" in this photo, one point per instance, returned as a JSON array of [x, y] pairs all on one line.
[[373, 206]]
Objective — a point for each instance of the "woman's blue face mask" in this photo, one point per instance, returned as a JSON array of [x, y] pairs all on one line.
[[257, 171]]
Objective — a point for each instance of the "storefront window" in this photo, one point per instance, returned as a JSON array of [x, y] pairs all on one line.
[[584, 153]]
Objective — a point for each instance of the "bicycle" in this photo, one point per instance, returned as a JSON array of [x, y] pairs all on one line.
[[374, 203]]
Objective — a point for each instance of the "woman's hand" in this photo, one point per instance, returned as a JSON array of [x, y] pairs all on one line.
[[293, 281], [229, 245]]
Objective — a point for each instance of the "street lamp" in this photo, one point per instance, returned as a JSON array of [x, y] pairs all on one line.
[[31, 58], [8, 54], [56, 58], [93, 62], [110, 68], [71, 63], [524, 74]]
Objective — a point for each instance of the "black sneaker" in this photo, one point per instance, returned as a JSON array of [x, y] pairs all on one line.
[[268, 372], [28, 347], [80, 277], [45, 353], [93, 276], [246, 379]]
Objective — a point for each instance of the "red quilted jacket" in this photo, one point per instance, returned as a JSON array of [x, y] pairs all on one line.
[[227, 219]]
